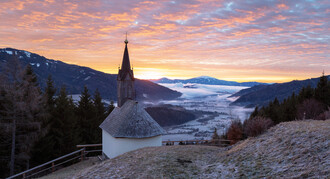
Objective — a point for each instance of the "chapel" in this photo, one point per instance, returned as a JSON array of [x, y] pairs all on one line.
[[128, 127]]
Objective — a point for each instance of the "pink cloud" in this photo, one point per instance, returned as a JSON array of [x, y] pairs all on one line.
[[194, 37]]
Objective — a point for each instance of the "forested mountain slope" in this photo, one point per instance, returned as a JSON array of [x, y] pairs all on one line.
[[74, 77], [262, 94]]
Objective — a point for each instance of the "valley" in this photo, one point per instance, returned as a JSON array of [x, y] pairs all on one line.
[[211, 102]]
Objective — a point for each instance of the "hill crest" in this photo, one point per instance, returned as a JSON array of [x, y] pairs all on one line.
[[208, 81], [261, 95], [296, 149]]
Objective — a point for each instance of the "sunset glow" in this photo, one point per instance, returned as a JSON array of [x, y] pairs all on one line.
[[267, 41]]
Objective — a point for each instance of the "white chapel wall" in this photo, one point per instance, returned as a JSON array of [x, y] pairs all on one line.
[[113, 147]]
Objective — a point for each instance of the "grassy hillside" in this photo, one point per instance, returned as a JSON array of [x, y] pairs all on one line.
[[296, 149]]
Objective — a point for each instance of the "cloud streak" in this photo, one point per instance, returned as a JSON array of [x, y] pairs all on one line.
[[241, 40]]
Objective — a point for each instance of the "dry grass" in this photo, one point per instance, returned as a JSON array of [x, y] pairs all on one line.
[[156, 162], [68, 172], [289, 150], [297, 149]]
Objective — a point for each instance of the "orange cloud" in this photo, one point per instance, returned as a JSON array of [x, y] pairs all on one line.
[[282, 6], [229, 40]]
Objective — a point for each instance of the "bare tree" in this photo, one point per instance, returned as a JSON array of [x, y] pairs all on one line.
[[309, 109], [256, 126], [22, 109]]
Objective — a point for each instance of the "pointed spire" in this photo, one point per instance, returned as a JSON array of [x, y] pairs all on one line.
[[125, 79], [126, 65]]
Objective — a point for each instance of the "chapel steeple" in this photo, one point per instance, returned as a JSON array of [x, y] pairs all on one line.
[[125, 79]]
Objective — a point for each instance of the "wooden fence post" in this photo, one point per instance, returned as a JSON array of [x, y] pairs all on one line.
[[82, 154], [53, 167]]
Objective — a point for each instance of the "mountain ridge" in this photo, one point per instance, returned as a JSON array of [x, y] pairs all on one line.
[[208, 81], [261, 95], [75, 77]]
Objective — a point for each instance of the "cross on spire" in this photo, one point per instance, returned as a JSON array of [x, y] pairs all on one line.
[[126, 41]]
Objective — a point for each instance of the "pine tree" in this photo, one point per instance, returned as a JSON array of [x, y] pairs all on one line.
[[111, 107], [43, 150], [49, 94], [24, 112], [306, 93], [100, 115], [67, 123], [86, 115], [276, 102], [5, 135], [62, 135], [322, 91], [255, 112]]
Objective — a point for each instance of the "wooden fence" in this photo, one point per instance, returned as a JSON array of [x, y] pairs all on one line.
[[60, 162], [86, 149], [219, 142]]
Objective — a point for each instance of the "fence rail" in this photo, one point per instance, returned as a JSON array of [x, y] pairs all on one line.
[[219, 142], [50, 167]]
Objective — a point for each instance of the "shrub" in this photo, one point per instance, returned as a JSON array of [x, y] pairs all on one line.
[[327, 114], [235, 131], [323, 116], [256, 126], [310, 109]]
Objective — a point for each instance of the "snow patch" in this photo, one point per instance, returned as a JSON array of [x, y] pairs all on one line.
[[20, 57], [32, 64], [205, 77], [47, 64], [87, 78], [28, 54], [9, 52], [38, 64], [75, 97]]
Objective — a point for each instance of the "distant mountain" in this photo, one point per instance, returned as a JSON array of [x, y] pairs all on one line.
[[74, 77], [262, 94], [208, 81]]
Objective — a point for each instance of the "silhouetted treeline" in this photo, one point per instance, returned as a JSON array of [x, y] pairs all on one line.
[[310, 103], [37, 126]]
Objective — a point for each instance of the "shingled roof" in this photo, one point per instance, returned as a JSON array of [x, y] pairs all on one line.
[[131, 121]]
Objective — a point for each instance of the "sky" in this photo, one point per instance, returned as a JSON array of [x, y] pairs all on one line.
[[260, 40]]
